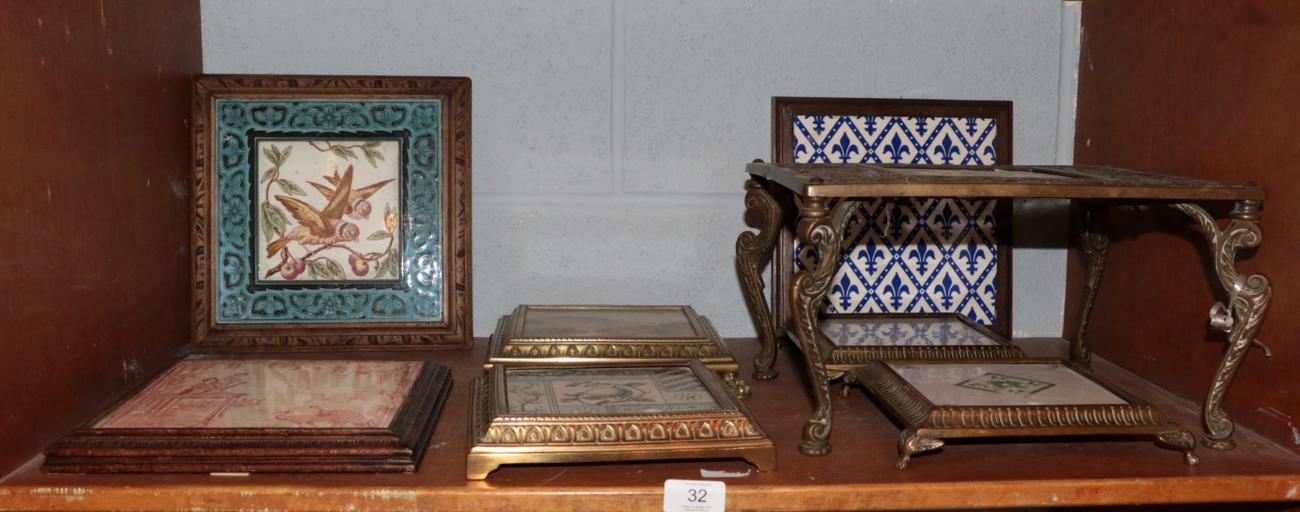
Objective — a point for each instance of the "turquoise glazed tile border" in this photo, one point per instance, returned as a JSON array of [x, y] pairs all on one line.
[[922, 255], [415, 297]]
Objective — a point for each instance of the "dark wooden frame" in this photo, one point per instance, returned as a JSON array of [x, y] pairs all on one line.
[[395, 449], [926, 424], [784, 109], [453, 331]]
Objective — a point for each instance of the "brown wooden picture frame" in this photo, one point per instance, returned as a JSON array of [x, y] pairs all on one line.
[[395, 449], [451, 329], [784, 110]]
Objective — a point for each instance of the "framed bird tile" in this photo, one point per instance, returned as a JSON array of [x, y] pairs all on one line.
[[331, 212]]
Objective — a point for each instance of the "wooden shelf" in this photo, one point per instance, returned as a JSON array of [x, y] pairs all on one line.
[[859, 474]]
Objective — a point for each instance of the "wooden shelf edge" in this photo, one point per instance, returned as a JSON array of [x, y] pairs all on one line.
[[1150, 491]]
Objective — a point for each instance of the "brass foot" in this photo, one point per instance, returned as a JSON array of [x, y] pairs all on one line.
[[1182, 440], [736, 386], [764, 374], [477, 468], [810, 447], [1218, 444], [909, 444]]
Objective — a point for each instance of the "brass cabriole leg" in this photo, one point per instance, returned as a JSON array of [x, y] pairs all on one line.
[[1095, 245], [752, 250], [1248, 297], [821, 230]]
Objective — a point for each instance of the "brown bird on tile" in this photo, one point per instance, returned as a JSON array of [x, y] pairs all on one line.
[[318, 227]]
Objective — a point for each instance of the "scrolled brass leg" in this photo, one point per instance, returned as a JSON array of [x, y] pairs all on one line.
[[821, 230], [1095, 244], [752, 251], [1248, 297], [909, 444]]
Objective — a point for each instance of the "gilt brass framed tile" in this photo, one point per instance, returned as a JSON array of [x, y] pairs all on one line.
[[575, 334], [561, 413], [224, 415], [937, 400], [856, 339]]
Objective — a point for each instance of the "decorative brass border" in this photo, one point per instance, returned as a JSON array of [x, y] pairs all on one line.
[[844, 358], [926, 425], [508, 345], [497, 437]]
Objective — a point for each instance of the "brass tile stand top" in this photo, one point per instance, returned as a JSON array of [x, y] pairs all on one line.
[[577, 334], [1021, 181]]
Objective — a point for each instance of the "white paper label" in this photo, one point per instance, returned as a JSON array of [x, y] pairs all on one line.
[[694, 496]]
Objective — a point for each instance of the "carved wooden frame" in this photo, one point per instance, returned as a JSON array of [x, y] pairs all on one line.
[[784, 110], [508, 345], [395, 449], [497, 437], [926, 425], [453, 329]]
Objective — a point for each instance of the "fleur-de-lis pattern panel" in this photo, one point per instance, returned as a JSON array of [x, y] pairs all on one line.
[[909, 332], [909, 255]]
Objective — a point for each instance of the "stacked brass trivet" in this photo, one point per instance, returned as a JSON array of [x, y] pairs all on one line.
[[566, 384], [942, 377]]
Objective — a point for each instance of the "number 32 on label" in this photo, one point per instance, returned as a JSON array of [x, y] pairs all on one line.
[[694, 496]]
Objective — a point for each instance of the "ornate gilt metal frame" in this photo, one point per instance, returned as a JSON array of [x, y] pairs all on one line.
[[497, 437], [845, 358], [926, 425], [508, 344]]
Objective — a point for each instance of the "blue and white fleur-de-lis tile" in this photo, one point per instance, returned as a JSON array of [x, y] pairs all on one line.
[[915, 255], [911, 332]]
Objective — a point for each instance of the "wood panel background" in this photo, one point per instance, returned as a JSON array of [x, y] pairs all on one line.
[[1206, 89], [94, 209]]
